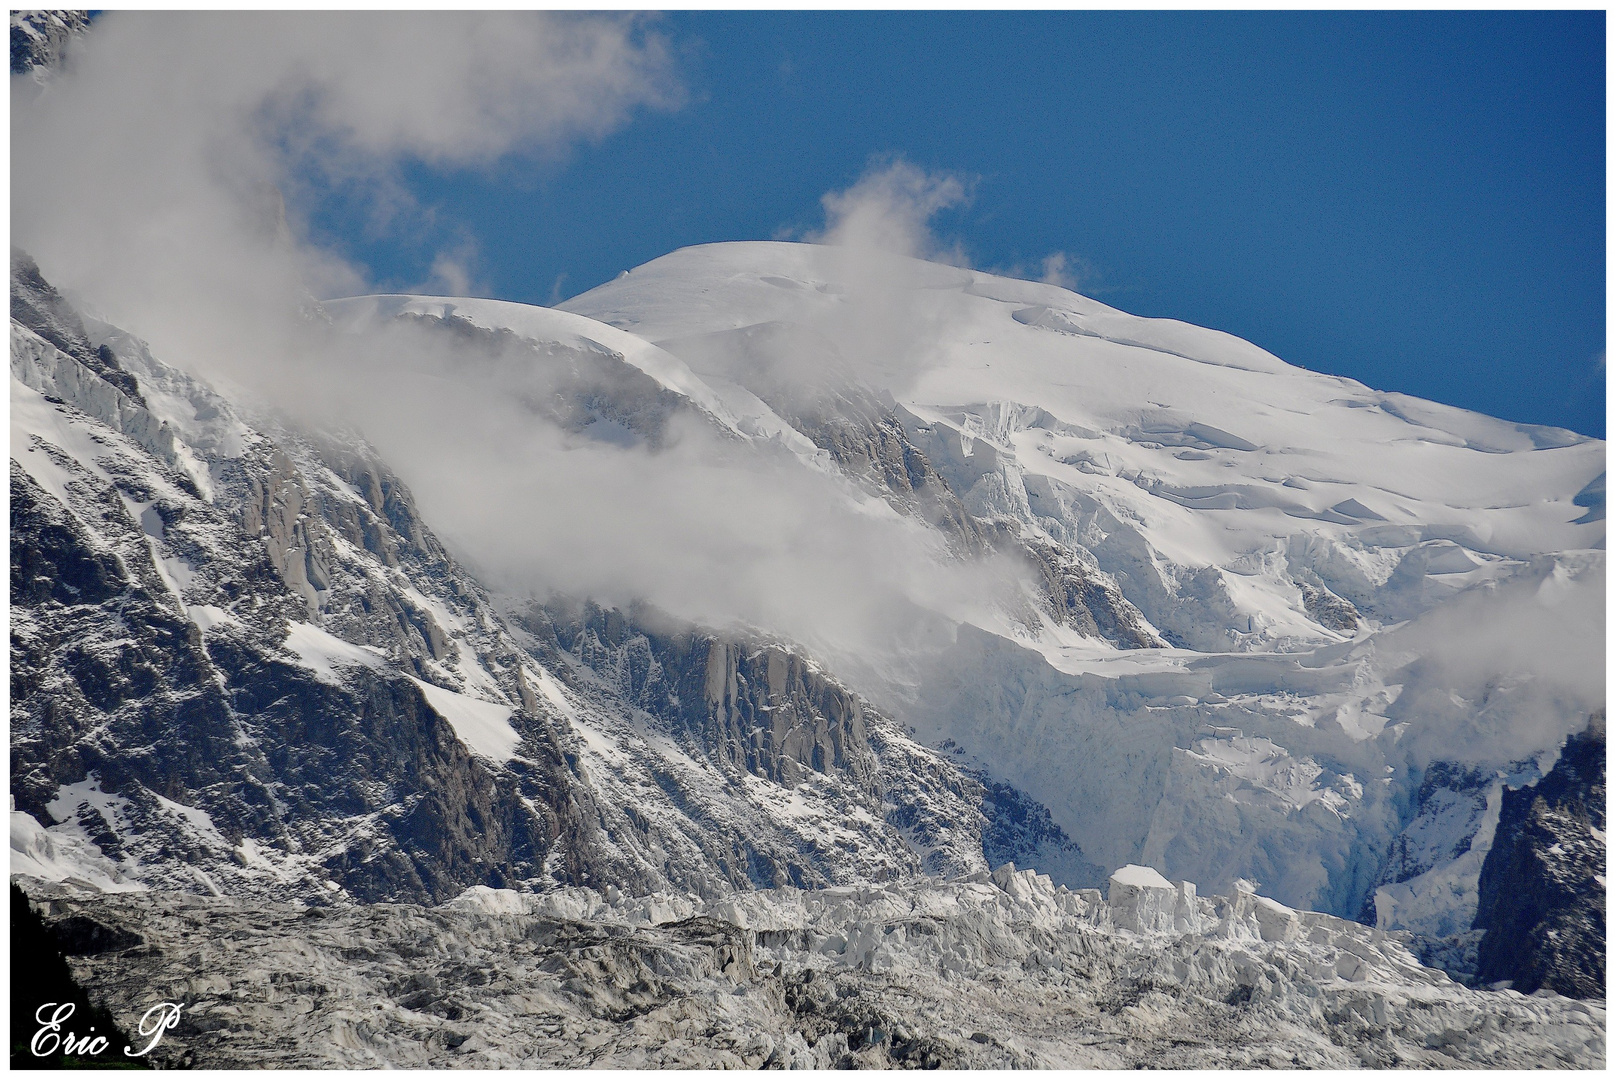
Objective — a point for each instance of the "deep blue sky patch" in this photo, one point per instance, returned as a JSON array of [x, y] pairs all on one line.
[[1415, 200]]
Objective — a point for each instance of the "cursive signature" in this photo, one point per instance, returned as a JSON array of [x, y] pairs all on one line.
[[50, 1037]]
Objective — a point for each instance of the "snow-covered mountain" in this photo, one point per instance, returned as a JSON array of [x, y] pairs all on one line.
[[1357, 589], [1141, 594], [244, 662], [1264, 612], [40, 38]]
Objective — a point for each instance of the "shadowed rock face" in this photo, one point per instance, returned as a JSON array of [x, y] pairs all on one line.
[[753, 705], [1078, 597], [1542, 887], [167, 712], [156, 708], [868, 441], [112, 685]]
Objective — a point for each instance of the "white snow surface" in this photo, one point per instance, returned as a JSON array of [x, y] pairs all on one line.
[[325, 654], [63, 854], [483, 726], [1143, 877]]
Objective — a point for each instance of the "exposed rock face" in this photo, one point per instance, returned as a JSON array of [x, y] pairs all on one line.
[[39, 38], [1328, 609], [776, 772], [160, 710], [1542, 891], [243, 665], [1078, 595], [1004, 971], [121, 713], [867, 439], [39, 307], [756, 706]]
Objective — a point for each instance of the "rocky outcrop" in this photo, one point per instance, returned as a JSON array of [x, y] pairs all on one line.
[[1079, 596], [222, 754], [39, 38], [162, 715], [37, 306], [1542, 890], [866, 438], [754, 705], [1327, 609], [274, 512], [745, 750]]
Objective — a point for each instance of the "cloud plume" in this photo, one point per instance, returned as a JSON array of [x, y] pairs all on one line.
[[138, 176], [890, 209], [147, 183]]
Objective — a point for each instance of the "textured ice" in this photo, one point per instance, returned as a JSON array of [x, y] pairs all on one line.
[[1007, 972]]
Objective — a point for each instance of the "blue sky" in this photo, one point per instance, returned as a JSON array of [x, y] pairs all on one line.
[[1414, 200]]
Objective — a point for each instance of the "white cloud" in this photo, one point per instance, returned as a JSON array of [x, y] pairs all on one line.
[[890, 209], [137, 177], [451, 273], [1499, 672], [701, 527], [146, 182]]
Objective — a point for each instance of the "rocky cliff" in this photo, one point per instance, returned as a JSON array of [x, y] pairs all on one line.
[[1542, 890]]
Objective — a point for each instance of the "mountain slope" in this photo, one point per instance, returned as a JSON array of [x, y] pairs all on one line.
[[1238, 581], [243, 662], [1325, 560]]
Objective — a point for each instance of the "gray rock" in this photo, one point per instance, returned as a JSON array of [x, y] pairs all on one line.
[[1542, 891]]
